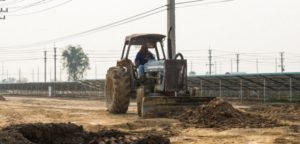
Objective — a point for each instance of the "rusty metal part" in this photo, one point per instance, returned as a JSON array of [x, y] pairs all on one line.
[[162, 106], [158, 105]]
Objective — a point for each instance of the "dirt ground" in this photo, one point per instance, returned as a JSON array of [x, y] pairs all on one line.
[[91, 114]]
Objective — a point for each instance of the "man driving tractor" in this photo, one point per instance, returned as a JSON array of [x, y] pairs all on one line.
[[142, 57]]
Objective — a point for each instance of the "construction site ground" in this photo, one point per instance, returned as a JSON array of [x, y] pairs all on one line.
[[92, 115]]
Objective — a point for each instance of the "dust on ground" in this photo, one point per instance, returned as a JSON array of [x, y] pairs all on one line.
[[91, 114]]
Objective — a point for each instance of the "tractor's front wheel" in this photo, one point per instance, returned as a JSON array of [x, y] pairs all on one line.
[[117, 90]]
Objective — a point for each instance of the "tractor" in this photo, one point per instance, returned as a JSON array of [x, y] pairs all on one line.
[[161, 90]]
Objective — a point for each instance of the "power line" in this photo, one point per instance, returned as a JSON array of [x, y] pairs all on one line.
[[207, 3], [104, 27], [18, 8], [29, 59], [10, 3], [43, 10], [187, 2]]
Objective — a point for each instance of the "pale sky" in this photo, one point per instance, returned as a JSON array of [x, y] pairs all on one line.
[[257, 29]]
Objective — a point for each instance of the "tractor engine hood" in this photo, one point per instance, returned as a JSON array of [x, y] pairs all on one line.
[[154, 66]]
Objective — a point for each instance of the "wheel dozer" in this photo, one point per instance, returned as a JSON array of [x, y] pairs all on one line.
[[163, 88]]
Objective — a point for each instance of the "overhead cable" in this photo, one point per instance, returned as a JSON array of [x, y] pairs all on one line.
[[104, 27]]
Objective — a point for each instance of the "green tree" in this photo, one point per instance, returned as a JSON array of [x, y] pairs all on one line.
[[75, 61]]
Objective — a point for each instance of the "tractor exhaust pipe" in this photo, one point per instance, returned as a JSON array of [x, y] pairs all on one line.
[[170, 56]]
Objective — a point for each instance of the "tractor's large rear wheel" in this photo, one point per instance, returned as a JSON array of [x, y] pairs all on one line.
[[117, 90]]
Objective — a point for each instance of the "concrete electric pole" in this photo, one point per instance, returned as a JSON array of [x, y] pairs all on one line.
[[45, 75], [237, 62], [54, 64], [215, 67], [32, 74], [282, 62], [209, 59], [231, 66], [95, 71], [276, 65], [256, 65], [171, 25], [20, 75], [38, 74]]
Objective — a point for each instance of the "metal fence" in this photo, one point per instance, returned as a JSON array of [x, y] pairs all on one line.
[[262, 87], [73, 89]]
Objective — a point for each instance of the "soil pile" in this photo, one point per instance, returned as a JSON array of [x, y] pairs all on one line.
[[13, 138], [63, 133], [220, 114]]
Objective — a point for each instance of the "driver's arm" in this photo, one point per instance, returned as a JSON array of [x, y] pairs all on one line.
[[137, 60]]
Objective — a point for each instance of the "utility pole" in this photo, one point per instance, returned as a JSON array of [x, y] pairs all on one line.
[[276, 65], [54, 64], [60, 73], [220, 68], [32, 75], [256, 65], [96, 71], [209, 59], [50, 74], [282, 61], [45, 75], [171, 26], [2, 70], [237, 62], [215, 67], [231, 65], [7, 74], [19, 75], [38, 74]]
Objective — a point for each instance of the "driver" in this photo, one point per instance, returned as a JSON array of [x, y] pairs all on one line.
[[142, 57]]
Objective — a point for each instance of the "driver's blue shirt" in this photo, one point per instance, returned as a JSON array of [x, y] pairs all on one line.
[[142, 58]]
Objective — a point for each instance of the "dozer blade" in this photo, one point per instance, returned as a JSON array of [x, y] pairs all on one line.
[[163, 106]]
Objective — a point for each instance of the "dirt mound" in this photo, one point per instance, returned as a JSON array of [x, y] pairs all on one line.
[[67, 133], [220, 114], [50, 133], [13, 138], [2, 98]]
